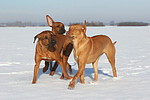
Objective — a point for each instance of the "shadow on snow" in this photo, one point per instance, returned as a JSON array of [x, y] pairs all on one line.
[[88, 72]]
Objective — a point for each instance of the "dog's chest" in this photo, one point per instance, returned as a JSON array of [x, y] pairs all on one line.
[[47, 56], [76, 57], [47, 59]]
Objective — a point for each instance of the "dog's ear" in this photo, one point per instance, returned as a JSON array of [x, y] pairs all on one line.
[[84, 27], [37, 36], [49, 21]]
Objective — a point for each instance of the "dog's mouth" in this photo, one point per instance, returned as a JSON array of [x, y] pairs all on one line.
[[51, 49], [51, 45], [69, 35], [62, 31]]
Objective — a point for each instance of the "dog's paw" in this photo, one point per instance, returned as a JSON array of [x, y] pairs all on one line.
[[62, 77], [33, 82], [69, 77], [71, 86], [52, 73], [82, 82]]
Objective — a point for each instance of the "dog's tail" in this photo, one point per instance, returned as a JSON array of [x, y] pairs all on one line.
[[114, 42]]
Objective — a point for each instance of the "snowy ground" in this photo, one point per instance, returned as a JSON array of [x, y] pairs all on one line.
[[132, 63]]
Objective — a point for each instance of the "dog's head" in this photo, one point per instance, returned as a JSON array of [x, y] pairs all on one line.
[[77, 31], [47, 40], [57, 27]]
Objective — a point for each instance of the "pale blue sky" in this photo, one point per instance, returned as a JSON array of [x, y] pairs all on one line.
[[75, 10]]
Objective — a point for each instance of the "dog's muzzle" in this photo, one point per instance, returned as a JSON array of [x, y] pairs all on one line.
[[51, 45], [52, 42], [62, 31]]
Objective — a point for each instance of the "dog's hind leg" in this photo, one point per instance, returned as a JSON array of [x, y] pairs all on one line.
[[64, 70], [111, 57], [82, 78], [51, 65], [46, 66], [54, 69]]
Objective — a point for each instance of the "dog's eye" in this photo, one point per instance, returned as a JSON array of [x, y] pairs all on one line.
[[57, 26], [45, 37]]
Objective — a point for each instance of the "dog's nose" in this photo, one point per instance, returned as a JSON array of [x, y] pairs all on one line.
[[62, 31], [52, 42]]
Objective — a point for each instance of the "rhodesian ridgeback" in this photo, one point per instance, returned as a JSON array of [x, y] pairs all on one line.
[[58, 28], [49, 47], [88, 50]]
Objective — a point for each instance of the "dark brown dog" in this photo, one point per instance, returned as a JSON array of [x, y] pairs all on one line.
[[58, 28], [50, 47], [88, 50]]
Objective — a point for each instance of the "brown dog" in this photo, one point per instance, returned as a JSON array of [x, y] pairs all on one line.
[[50, 47], [88, 50], [58, 28]]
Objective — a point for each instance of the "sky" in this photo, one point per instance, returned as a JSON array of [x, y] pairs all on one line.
[[75, 10]]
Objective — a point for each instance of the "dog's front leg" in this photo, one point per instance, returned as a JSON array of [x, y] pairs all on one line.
[[66, 64], [64, 69], [78, 74], [65, 59], [36, 71]]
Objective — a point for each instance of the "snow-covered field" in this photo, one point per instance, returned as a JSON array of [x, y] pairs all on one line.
[[132, 63]]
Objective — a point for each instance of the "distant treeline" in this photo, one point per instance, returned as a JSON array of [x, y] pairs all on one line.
[[132, 24], [92, 23], [112, 23], [21, 24], [89, 23]]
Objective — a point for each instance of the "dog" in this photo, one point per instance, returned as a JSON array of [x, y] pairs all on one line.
[[49, 47], [58, 28], [88, 50]]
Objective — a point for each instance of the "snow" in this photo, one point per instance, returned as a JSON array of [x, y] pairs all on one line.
[[132, 63]]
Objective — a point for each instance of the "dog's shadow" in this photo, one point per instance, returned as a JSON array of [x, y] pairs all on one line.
[[58, 71], [88, 72]]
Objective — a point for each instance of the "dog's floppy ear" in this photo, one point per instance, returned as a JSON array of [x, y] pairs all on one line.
[[49, 21], [37, 36]]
